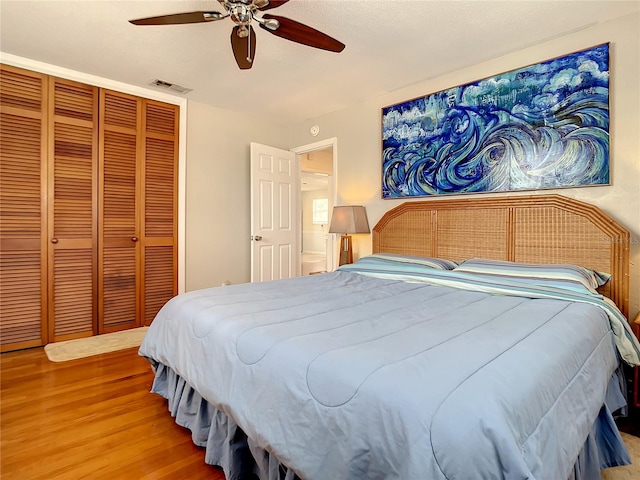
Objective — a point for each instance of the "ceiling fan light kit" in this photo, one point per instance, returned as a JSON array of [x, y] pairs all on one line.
[[243, 37]]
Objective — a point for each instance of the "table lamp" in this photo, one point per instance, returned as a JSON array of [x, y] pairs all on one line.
[[346, 220]]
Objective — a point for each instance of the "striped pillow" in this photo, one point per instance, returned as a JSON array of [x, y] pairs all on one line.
[[568, 277], [437, 263]]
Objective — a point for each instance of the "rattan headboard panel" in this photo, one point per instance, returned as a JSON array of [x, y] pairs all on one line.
[[532, 229], [414, 224], [487, 239]]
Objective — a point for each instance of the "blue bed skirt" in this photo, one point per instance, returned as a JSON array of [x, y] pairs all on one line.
[[227, 446]]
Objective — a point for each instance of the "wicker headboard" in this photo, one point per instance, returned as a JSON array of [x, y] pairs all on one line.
[[531, 229]]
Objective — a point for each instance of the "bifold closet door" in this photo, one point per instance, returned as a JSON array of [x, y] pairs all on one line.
[[72, 209], [88, 205], [119, 212], [137, 209], [23, 218], [160, 187]]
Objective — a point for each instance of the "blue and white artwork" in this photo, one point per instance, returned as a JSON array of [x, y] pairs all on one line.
[[541, 126]]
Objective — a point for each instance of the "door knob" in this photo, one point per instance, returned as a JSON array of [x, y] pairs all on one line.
[[134, 239], [54, 240], [257, 238]]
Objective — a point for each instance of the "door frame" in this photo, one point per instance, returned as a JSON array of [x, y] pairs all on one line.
[[333, 191]]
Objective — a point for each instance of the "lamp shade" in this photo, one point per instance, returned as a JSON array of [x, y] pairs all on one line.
[[350, 219]]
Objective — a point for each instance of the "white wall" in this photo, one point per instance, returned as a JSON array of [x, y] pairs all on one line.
[[358, 130], [218, 193]]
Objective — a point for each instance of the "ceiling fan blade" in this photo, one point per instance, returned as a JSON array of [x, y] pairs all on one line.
[[273, 4], [244, 48], [180, 18], [300, 33]]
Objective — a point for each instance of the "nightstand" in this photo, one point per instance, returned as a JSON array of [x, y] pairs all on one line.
[[636, 376]]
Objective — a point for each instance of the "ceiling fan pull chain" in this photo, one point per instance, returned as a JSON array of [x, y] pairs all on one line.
[[249, 59]]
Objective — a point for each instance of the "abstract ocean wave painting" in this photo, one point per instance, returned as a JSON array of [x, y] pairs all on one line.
[[538, 127]]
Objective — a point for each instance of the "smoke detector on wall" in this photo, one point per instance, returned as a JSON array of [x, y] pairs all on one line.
[[169, 86]]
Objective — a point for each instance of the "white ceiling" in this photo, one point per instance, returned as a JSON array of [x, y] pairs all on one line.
[[390, 44], [310, 181]]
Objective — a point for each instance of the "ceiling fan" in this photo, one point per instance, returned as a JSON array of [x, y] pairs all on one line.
[[243, 36]]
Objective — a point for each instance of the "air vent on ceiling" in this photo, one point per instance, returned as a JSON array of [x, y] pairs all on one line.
[[169, 86]]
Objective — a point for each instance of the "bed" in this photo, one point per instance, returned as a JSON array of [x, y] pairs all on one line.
[[483, 338]]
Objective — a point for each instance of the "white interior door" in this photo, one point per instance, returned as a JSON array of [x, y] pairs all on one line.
[[275, 250]]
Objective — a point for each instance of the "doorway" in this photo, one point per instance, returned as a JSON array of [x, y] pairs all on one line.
[[317, 196]]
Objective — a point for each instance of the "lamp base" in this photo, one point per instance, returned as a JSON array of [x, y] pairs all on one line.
[[346, 253]]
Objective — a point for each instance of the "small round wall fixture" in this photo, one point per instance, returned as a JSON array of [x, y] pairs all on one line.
[[315, 130]]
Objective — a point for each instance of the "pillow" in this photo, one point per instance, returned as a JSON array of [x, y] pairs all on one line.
[[437, 263], [564, 276]]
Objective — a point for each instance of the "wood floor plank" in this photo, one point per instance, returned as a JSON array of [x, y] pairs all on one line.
[[90, 418]]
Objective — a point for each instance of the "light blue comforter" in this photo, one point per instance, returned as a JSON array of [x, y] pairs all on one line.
[[394, 380]]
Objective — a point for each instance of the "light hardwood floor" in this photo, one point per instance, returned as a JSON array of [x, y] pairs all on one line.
[[94, 418], [90, 418]]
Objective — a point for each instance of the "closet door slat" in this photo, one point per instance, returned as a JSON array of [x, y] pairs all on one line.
[[159, 285]]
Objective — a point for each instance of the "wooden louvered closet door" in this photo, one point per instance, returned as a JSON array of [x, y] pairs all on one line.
[[137, 213], [23, 219], [119, 248], [72, 199], [160, 230], [88, 205]]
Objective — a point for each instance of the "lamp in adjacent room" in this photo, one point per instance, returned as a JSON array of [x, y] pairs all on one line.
[[346, 220]]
